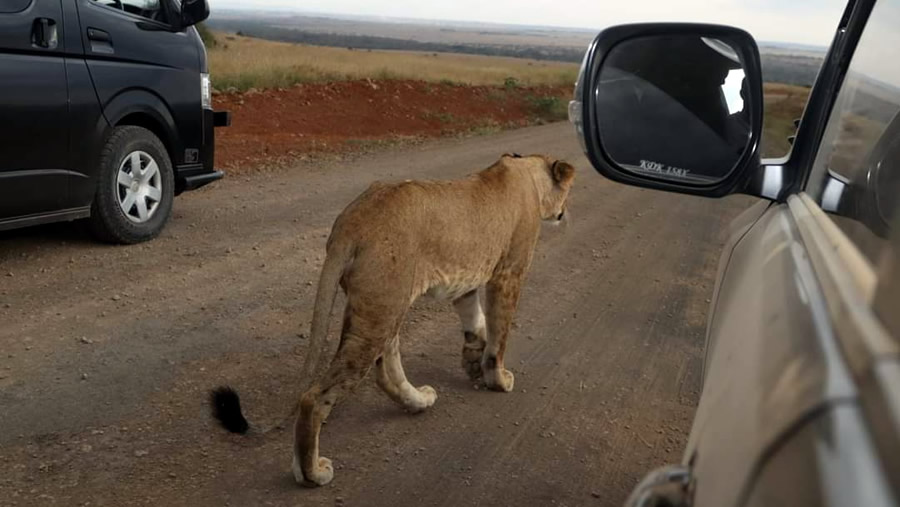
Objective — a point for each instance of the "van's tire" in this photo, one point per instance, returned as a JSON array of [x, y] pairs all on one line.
[[129, 209]]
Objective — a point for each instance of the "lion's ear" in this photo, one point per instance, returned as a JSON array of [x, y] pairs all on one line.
[[562, 171], [513, 155]]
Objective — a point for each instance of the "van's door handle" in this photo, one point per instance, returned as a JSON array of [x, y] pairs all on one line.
[[43, 33], [98, 35], [101, 41]]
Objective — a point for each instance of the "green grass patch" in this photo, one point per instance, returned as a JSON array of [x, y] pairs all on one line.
[[274, 77], [549, 108]]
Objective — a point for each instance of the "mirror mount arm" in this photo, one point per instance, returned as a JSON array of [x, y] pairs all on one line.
[[773, 179]]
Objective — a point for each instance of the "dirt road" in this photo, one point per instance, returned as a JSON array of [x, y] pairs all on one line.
[[107, 353]]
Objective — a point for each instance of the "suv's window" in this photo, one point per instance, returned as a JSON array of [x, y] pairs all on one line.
[[856, 174], [856, 169], [789, 71], [151, 9]]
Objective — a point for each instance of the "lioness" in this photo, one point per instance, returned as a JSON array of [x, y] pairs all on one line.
[[398, 241]]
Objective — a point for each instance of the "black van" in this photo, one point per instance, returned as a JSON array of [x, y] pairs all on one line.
[[104, 113]]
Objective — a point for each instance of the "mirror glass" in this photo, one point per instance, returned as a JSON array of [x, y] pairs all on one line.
[[674, 107], [193, 11]]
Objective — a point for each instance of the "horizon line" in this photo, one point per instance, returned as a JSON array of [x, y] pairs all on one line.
[[459, 22]]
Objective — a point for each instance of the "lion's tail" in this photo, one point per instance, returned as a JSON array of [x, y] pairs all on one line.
[[337, 259], [226, 405]]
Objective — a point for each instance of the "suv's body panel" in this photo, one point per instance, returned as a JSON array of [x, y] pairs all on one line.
[[793, 411], [830, 460], [801, 384], [772, 360]]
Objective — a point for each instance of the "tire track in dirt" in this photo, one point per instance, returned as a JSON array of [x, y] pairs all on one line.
[[581, 346], [218, 243]]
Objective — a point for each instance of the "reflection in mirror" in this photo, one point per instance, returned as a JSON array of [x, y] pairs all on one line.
[[856, 174], [674, 107], [869, 199]]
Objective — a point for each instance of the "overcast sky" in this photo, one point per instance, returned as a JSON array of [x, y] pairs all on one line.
[[804, 21]]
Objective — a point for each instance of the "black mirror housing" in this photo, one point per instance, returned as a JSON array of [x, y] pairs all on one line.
[[672, 106], [193, 12]]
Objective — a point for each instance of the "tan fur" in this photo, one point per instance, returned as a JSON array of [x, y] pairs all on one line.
[[396, 242]]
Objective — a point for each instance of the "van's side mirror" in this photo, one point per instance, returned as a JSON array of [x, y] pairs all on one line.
[[193, 12], [671, 106]]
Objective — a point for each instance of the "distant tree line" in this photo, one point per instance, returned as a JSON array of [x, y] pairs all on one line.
[[790, 69], [263, 30]]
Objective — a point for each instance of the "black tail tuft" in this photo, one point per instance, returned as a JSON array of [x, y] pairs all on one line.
[[226, 407]]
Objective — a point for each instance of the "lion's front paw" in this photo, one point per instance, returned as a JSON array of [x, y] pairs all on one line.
[[500, 379], [319, 476], [429, 394], [426, 398]]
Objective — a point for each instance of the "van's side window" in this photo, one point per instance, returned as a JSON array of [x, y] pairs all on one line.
[[150, 9]]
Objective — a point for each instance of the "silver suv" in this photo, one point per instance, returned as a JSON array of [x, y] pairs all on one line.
[[801, 385]]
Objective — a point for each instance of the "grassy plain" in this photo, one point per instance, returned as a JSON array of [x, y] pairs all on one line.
[[783, 104], [243, 63]]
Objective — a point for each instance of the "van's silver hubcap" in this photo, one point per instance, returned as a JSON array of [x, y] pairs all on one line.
[[139, 186]]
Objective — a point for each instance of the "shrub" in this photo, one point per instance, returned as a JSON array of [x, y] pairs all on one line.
[[549, 108]]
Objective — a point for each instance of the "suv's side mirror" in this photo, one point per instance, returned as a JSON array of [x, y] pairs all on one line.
[[671, 106], [193, 12]]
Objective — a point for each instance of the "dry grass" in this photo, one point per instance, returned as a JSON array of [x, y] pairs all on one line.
[[245, 63], [783, 103]]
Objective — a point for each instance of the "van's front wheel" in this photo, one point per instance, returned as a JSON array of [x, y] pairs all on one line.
[[135, 187]]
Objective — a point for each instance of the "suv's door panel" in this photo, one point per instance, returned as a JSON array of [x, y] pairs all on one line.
[[33, 99], [870, 352], [738, 228], [848, 284], [772, 360], [829, 461]]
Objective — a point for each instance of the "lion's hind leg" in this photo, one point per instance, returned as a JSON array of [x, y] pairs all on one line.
[[502, 299], [350, 365], [392, 380]]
